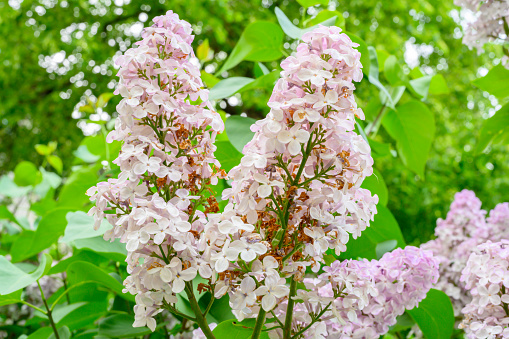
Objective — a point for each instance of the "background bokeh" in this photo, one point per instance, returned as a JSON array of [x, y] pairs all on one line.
[[56, 55]]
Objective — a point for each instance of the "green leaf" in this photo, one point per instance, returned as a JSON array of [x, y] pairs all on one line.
[[220, 310], [335, 16], [228, 87], [309, 3], [420, 86], [13, 279], [11, 298], [84, 271], [233, 329], [73, 193], [83, 315], [238, 130], [495, 82], [114, 250], [63, 333], [379, 149], [383, 228], [43, 149], [227, 155], [9, 189], [81, 226], [84, 154], [295, 32], [103, 99], [56, 163], [363, 49], [260, 41], [265, 81], [209, 79], [384, 247], [41, 333], [203, 51], [435, 315], [438, 85], [260, 69], [50, 228], [82, 255], [373, 75], [393, 71], [121, 326], [412, 125], [6, 214], [493, 127], [376, 185], [26, 174]]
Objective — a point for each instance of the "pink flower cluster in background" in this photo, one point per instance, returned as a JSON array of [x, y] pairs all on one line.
[[486, 277], [465, 228]]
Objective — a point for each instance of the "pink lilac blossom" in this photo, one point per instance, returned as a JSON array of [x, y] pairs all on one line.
[[362, 299], [486, 277], [296, 192], [463, 229], [159, 202], [489, 24], [498, 222]]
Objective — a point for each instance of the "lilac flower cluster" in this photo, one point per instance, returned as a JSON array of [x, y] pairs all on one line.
[[361, 299], [158, 203], [491, 18], [465, 227], [298, 183], [486, 277], [295, 195]]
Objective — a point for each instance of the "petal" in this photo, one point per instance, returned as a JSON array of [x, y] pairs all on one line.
[[264, 191], [188, 274], [268, 302], [136, 91], [166, 275], [280, 291], [178, 285], [221, 265], [294, 147], [248, 256], [284, 137]]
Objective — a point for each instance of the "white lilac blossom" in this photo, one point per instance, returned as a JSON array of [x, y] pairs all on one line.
[[490, 23], [486, 277], [159, 202], [362, 299]]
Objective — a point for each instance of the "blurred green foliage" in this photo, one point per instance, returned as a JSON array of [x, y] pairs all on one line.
[[57, 55]]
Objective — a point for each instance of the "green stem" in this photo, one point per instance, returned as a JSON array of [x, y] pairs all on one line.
[[33, 306], [48, 313], [260, 321], [287, 331], [371, 131], [312, 322], [200, 319]]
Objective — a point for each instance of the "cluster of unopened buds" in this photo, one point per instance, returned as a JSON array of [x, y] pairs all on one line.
[[294, 196], [465, 228], [486, 276]]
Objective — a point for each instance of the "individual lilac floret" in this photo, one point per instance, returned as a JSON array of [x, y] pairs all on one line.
[[486, 277]]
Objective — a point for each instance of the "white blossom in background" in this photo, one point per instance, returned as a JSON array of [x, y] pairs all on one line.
[[490, 23]]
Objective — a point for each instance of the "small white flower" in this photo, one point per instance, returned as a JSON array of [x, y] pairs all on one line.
[[294, 137], [131, 95], [274, 288]]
